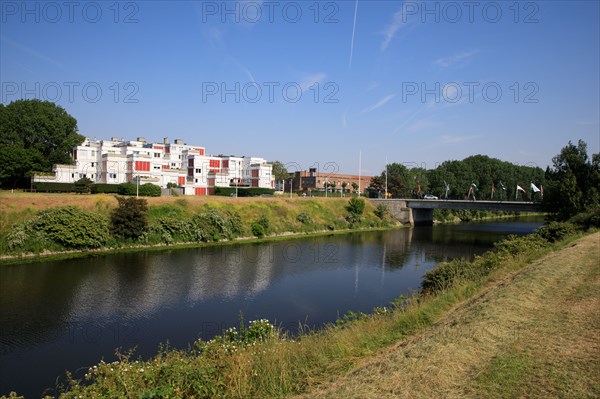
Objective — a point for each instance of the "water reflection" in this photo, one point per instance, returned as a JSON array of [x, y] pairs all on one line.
[[66, 314]]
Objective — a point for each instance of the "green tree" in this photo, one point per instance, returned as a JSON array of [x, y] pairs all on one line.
[[572, 182], [355, 208], [130, 219], [399, 181], [83, 185], [280, 172], [34, 135]]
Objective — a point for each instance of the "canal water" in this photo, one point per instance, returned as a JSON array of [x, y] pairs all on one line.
[[68, 315]]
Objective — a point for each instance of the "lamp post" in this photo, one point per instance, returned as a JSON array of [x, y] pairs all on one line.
[[237, 180], [137, 186]]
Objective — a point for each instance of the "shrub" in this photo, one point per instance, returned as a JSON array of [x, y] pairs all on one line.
[[150, 190], [556, 231], [83, 185], [130, 219], [258, 230], [381, 211], [68, 226], [355, 208], [144, 190], [244, 192], [447, 273], [588, 219], [104, 188], [53, 187], [304, 218], [212, 225]]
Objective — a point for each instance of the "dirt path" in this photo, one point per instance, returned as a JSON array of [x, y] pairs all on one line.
[[536, 334]]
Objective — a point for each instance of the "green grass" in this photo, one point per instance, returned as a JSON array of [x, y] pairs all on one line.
[[279, 366], [326, 215]]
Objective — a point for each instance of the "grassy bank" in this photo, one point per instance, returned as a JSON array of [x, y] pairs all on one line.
[[450, 317], [171, 221]]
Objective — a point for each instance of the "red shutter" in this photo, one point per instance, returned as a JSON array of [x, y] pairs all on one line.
[[181, 180]]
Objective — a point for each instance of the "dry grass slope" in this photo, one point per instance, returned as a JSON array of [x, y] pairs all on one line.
[[535, 333]]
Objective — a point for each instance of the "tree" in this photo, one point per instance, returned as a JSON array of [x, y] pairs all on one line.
[[398, 181], [280, 172], [130, 219], [34, 135], [83, 185], [572, 183], [355, 208]]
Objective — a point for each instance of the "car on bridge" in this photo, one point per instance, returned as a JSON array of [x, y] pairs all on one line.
[[430, 197]]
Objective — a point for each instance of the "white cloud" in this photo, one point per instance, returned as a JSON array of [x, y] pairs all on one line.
[[353, 31], [32, 52], [456, 59], [310, 80], [379, 103], [399, 20]]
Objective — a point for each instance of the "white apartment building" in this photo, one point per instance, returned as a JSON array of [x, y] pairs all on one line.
[[117, 161]]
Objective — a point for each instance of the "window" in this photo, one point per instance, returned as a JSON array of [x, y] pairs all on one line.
[[73, 175], [92, 164], [157, 155], [198, 170], [112, 175], [196, 180]]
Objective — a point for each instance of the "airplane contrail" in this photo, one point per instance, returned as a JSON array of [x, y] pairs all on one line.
[[353, 30]]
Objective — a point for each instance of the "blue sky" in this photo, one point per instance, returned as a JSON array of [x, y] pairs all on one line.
[[313, 84]]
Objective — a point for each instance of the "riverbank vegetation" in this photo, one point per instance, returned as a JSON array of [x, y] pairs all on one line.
[[105, 222], [260, 360]]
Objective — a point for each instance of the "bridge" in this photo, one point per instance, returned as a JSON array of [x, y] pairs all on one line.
[[420, 212]]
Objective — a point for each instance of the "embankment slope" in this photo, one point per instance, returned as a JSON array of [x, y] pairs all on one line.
[[534, 333]]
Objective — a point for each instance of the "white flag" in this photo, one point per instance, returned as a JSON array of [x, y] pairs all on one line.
[[534, 188], [519, 188]]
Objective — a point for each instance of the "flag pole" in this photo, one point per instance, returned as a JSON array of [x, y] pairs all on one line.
[[386, 174]]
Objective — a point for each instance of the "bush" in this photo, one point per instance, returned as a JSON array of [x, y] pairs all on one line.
[[355, 208], [588, 219], [447, 273], [68, 226], [82, 185], [304, 218], [144, 190], [212, 225], [556, 231], [260, 228], [381, 211], [130, 219], [104, 188], [244, 192], [53, 187]]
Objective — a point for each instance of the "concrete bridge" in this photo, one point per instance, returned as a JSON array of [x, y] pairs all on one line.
[[420, 212]]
